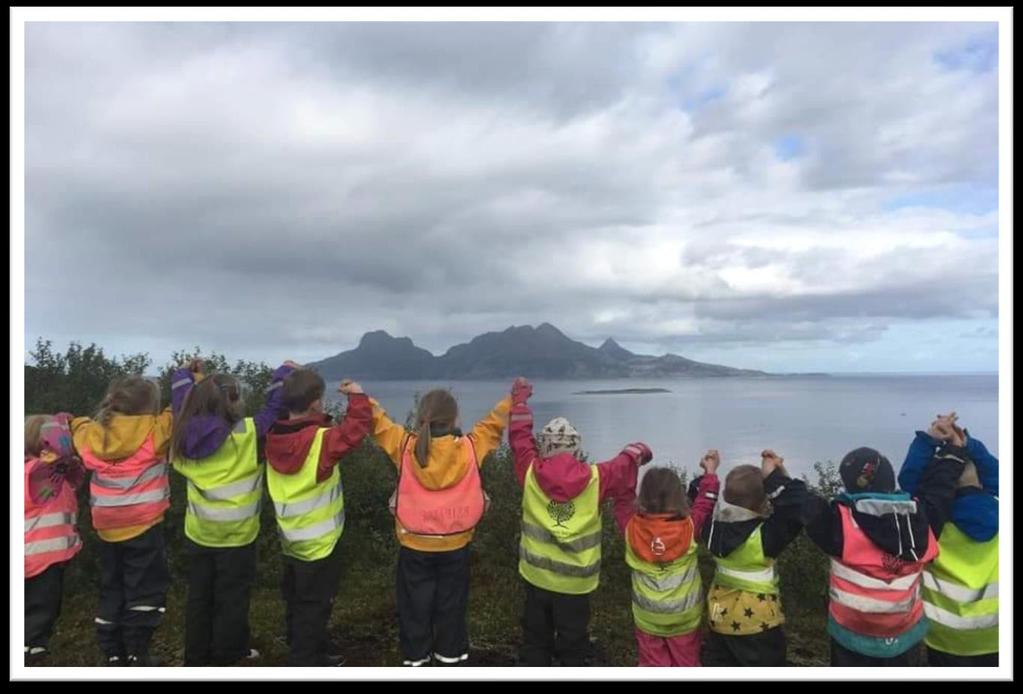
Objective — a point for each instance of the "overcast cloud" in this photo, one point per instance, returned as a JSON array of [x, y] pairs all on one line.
[[777, 196]]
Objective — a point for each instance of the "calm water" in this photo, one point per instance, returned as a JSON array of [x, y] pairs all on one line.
[[803, 419]]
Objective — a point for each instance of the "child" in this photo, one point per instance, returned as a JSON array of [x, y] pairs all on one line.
[[216, 448], [559, 551], [125, 447], [438, 502], [303, 451], [52, 474], [879, 543], [957, 479], [755, 519], [667, 600]]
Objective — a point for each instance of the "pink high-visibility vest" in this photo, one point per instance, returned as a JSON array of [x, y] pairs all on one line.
[[447, 511], [872, 592], [131, 491], [50, 534]]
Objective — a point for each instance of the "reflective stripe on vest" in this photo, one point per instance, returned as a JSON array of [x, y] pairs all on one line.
[[225, 490], [875, 597], [310, 514], [55, 544], [746, 568], [453, 510], [130, 499], [49, 520], [559, 546], [300, 508], [960, 595], [130, 492], [109, 482], [667, 599]]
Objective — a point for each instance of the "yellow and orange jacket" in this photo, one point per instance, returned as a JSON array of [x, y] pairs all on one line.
[[125, 435], [447, 464]]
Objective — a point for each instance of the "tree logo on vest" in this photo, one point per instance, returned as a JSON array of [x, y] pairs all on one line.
[[560, 512], [657, 546]]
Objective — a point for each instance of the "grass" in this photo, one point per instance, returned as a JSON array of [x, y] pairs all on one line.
[[364, 621]]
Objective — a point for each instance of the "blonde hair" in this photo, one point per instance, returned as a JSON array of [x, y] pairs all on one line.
[[33, 434]]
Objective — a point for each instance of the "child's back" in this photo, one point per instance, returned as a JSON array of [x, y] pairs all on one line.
[[661, 551], [756, 518], [879, 543]]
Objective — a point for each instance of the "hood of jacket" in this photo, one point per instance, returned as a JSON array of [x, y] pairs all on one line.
[[203, 435], [730, 526], [120, 439], [562, 476], [660, 538], [289, 440], [894, 522]]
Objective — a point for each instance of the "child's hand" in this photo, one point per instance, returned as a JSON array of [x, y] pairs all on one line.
[[348, 387], [770, 461], [521, 390], [640, 452], [710, 461], [292, 364]]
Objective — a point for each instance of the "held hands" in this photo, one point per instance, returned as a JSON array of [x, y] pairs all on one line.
[[710, 461], [521, 390], [292, 364], [348, 387], [771, 461], [945, 428], [640, 452]]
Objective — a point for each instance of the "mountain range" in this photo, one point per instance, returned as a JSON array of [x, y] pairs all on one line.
[[540, 352]]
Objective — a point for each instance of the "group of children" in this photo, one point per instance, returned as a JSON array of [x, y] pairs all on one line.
[[910, 566]]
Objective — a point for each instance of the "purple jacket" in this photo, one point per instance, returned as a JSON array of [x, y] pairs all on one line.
[[205, 434]]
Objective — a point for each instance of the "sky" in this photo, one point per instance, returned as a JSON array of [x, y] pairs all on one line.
[[785, 197]]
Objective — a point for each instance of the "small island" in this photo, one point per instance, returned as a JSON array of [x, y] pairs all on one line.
[[622, 391]]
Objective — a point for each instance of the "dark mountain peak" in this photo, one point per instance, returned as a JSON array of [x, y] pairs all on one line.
[[518, 350], [550, 330], [376, 337], [615, 350]]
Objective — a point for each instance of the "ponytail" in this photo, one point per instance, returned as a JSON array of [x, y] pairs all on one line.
[[436, 407], [423, 444]]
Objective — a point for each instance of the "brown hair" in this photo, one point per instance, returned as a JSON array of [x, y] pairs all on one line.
[[33, 434], [661, 492], [128, 395], [436, 407], [218, 395], [301, 388], [744, 486]]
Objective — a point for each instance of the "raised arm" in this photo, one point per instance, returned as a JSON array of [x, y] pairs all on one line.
[[344, 437], [388, 435], [520, 429], [486, 434], [788, 497], [618, 478], [274, 408], [707, 489], [987, 464]]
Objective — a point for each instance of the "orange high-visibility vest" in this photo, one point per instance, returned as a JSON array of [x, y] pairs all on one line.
[[449, 511], [131, 491]]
